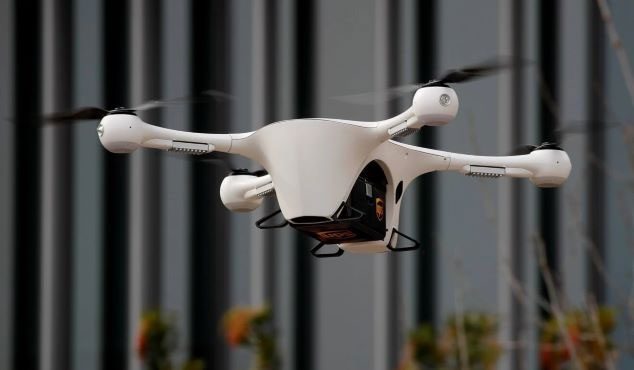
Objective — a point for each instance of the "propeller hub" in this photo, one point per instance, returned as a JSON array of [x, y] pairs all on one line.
[[122, 110], [435, 83], [239, 171], [550, 146], [244, 171]]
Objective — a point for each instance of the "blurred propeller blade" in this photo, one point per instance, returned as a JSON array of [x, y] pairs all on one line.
[[374, 97], [244, 171], [465, 74], [549, 145], [216, 159], [523, 149], [218, 94], [151, 104], [527, 149], [85, 113], [584, 127], [188, 99], [475, 71], [89, 113]]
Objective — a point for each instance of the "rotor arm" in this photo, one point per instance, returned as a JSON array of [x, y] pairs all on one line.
[[545, 168], [124, 133], [434, 105], [399, 125], [175, 140]]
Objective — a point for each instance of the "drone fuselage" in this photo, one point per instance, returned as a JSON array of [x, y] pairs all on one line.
[[313, 164]]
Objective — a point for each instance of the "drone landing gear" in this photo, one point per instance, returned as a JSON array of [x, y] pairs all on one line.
[[335, 231], [413, 245], [260, 224], [315, 250]]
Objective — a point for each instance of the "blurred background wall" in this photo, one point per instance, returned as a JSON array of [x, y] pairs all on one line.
[[90, 240]]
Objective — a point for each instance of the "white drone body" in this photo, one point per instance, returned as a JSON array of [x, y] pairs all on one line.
[[313, 164]]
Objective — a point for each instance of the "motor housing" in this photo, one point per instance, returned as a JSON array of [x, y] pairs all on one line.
[[121, 133], [435, 105], [232, 193], [554, 168]]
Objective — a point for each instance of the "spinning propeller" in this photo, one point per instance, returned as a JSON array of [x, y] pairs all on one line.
[[244, 171], [584, 127], [451, 76], [527, 149], [90, 113], [468, 73], [219, 160], [574, 127], [97, 113]]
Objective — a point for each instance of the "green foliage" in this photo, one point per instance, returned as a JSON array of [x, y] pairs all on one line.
[[588, 333], [469, 338], [253, 328], [156, 341]]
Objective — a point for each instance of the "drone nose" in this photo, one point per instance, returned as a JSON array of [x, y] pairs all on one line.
[[120, 133]]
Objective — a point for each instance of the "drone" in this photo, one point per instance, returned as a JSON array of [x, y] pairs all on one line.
[[339, 181]]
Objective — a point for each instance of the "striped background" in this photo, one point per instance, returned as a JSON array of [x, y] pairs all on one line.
[[89, 240]]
